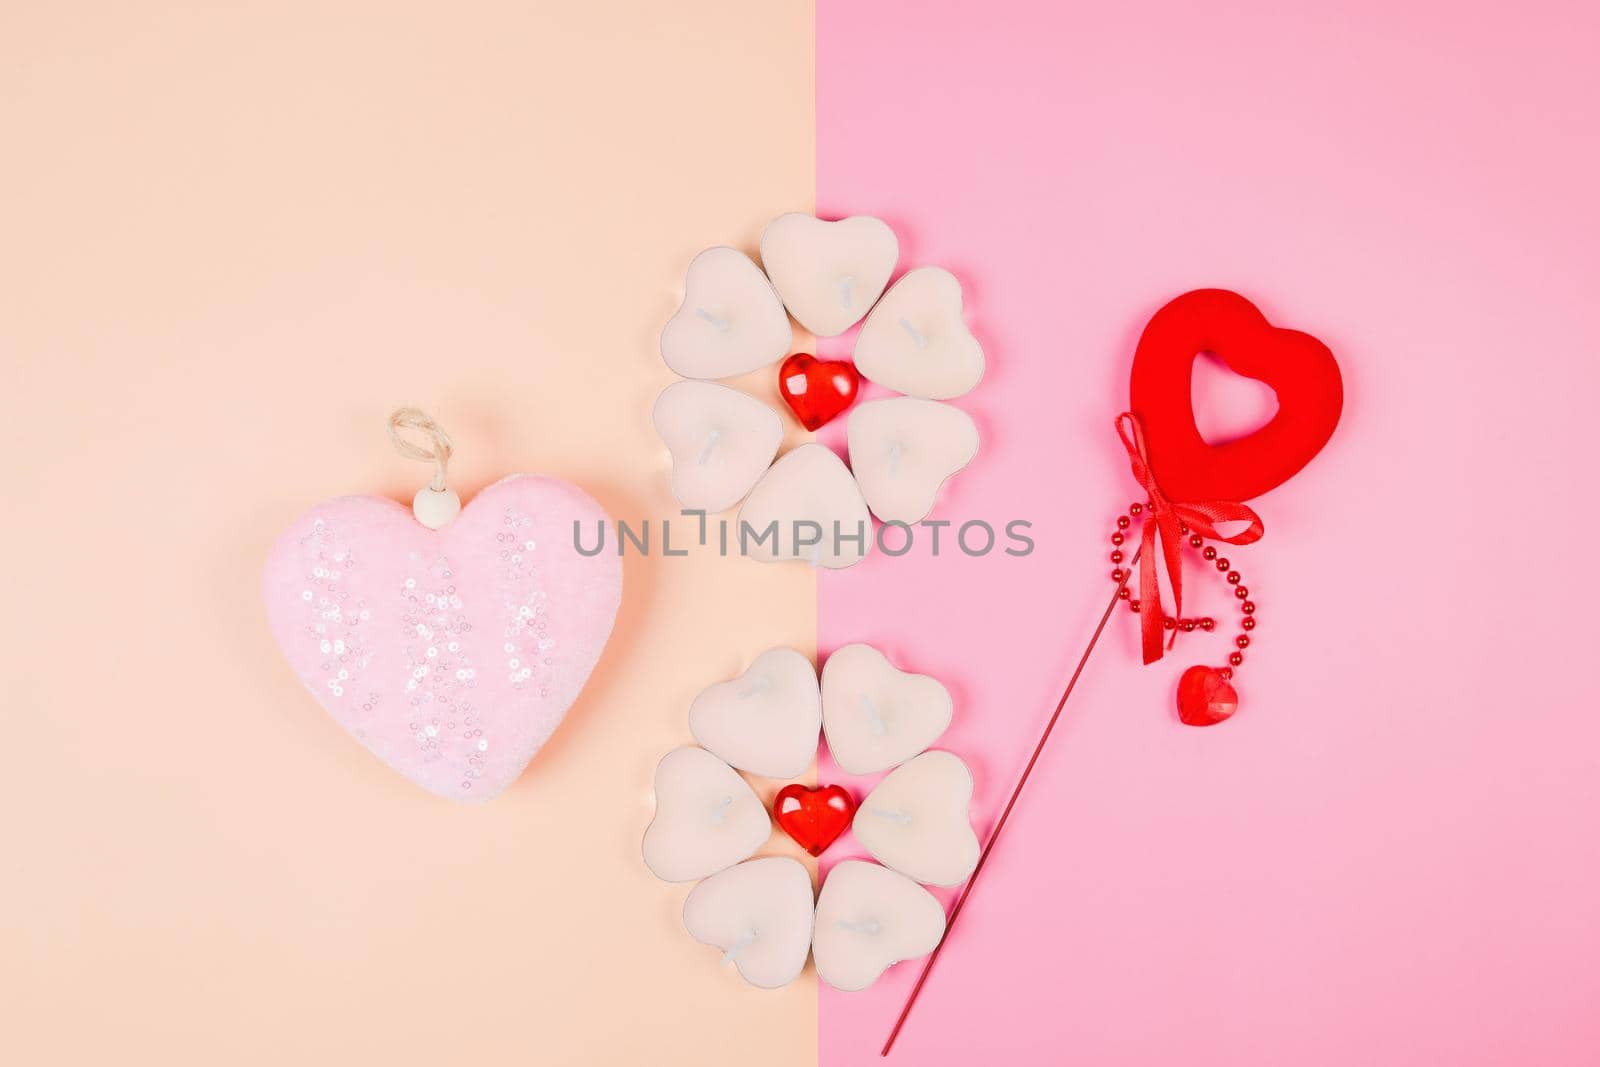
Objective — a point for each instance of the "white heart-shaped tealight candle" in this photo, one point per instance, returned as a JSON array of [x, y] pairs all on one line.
[[868, 919], [916, 341], [903, 449], [806, 507], [828, 273], [707, 817], [721, 441], [916, 820], [731, 321], [759, 914], [877, 716], [766, 720]]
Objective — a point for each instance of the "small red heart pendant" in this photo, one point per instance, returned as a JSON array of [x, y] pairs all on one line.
[[814, 817], [1298, 367], [1205, 697], [817, 390]]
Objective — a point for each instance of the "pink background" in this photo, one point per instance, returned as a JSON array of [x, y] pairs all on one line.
[[1392, 854]]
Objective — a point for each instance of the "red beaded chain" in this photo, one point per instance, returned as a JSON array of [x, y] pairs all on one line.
[[1247, 607]]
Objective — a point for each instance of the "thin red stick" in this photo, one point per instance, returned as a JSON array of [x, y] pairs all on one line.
[[994, 836]]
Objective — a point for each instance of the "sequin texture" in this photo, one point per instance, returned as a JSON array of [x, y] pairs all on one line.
[[336, 625]]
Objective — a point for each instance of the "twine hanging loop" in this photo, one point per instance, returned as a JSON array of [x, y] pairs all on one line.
[[416, 436], [437, 448]]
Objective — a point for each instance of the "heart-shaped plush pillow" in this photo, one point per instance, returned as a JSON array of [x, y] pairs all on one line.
[[1299, 368], [451, 654]]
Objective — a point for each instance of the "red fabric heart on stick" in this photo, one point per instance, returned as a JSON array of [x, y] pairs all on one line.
[[817, 390], [1191, 487], [814, 817], [1299, 368]]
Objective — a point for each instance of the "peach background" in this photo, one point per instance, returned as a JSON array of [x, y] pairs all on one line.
[[1392, 855], [233, 240]]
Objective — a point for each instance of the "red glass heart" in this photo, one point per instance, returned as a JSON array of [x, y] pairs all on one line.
[[1296, 366], [817, 390], [1205, 697], [814, 817]]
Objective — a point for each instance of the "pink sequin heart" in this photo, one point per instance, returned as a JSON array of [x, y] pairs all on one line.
[[452, 654]]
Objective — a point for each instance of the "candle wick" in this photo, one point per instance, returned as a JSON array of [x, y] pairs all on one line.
[[720, 812], [870, 927], [720, 324], [894, 459], [875, 723], [898, 817], [711, 445], [761, 685], [745, 939], [916, 335], [845, 285]]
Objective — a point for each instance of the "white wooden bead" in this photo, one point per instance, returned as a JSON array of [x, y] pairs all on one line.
[[434, 508]]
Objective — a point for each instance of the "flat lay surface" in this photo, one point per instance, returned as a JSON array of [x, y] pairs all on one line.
[[235, 238]]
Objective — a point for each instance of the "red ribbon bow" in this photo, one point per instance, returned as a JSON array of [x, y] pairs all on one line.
[[1172, 520]]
